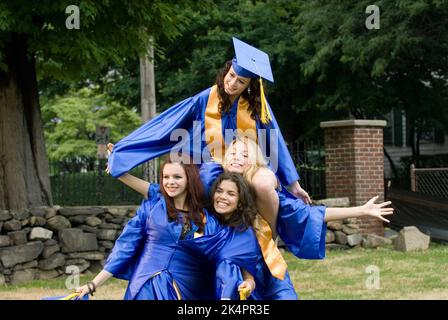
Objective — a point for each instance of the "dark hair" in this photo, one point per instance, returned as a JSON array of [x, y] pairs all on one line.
[[253, 98], [246, 210], [195, 192]]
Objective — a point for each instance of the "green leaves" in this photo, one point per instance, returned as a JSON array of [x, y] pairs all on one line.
[[5, 17], [109, 31], [70, 123], [326, 63]]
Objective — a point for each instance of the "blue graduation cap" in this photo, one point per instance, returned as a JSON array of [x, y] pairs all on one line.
[[251, 62]]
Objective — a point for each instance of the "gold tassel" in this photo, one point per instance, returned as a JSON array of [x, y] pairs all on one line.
[[70, 296], [244, 293], [265, 114]]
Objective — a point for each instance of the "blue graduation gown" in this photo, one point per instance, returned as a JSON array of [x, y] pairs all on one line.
[[152, 139], [230, 250], [150, 255], [300, 226]]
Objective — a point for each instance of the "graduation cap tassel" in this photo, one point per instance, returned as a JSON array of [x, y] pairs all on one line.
[[265, 114], [70, 296], [251, 62]]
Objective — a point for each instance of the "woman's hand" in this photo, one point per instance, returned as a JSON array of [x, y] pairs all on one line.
[[370, 208], [297, 190], [246, 288], [83, 290], [110, 148]]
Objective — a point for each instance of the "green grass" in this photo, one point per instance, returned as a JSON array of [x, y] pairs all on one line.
[[341, 275], [114, 289], [57, 283]]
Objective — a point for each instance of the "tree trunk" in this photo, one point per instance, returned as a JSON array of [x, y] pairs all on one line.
[[417, 147], [148, 101], [148, 84], [391, 163], [412, 138], [24, 180]]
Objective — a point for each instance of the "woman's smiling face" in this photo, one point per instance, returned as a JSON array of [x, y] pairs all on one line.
[[174, 180], [225, 198], [234, 85], [237, 159]]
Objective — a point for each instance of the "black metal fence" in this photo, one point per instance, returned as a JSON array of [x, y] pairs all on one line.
[[311, 168], [84, 181], [88, 184]]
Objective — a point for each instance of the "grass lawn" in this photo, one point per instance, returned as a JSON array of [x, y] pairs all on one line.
[[341, 275], [347, 275]]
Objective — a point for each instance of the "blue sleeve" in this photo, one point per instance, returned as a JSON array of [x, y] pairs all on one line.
[[154, 193], [228, 278], [208, 172], [301, 227], [286, 171], [153, 139], [122, 258], [229, 250], [239, 252]]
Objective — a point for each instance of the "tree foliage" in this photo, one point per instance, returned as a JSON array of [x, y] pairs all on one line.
[[403, 64], [109, 31], [327, 65], [70, 123]]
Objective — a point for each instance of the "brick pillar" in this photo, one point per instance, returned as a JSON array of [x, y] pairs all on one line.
[[354, 163]]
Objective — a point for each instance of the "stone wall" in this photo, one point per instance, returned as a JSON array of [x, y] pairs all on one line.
[[348, 233], [342, 234], [40, 243]]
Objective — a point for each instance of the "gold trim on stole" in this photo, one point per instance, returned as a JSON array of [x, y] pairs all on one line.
[[245, 124], [213, 126], [271, 254]]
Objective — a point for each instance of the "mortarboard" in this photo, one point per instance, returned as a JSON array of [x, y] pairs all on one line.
[[251, 62]]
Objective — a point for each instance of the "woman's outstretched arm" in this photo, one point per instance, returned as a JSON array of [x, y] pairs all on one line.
[[370, 208], [139, 185]]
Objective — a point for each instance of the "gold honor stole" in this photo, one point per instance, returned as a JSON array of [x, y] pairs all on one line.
[[271, 254], [215, 142], [213, 126]]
